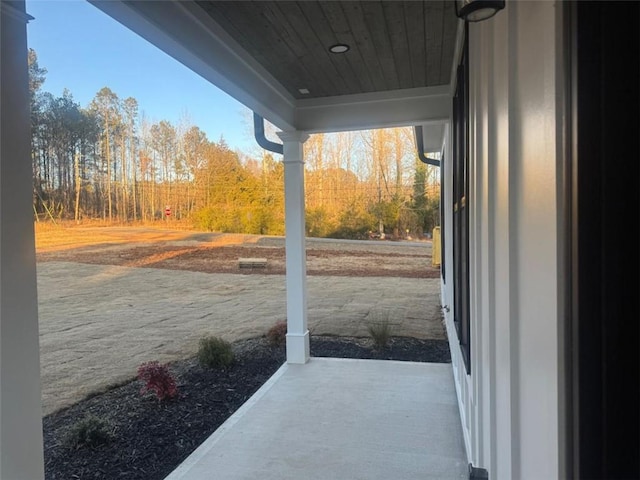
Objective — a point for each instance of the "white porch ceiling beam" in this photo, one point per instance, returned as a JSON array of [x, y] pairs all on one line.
[[374, 110]]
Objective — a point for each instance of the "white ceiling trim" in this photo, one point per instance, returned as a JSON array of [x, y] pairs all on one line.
[[388, 96], [374, 110]]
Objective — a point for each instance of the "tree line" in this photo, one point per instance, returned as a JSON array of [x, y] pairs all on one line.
[[107, 161]]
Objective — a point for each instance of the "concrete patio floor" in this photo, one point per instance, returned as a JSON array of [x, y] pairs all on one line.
[[340, 419]]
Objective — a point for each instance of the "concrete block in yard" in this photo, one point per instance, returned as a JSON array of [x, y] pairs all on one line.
[[252, 262]]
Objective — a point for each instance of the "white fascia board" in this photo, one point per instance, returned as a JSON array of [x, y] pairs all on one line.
[[188, 34], [397, 108]]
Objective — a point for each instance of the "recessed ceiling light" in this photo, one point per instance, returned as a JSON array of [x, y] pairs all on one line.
[[304, 91], [339, 48]]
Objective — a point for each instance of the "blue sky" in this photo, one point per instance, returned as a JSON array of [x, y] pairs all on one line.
[[84, 50]]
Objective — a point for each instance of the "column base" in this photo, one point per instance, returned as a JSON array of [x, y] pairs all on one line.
[[298, 347]]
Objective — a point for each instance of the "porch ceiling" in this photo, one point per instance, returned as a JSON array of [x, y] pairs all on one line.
[[393, 45], [396, 72]]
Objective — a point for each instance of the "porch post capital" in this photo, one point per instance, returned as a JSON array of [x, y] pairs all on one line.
[[293, 136]]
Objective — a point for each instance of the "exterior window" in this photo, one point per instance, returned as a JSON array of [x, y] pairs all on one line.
[[443, 270], [460, 206]]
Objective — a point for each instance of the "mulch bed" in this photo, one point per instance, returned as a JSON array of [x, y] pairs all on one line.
[[149, 439]]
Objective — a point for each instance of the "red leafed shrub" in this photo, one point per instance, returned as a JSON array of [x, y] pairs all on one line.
[[158, 379]]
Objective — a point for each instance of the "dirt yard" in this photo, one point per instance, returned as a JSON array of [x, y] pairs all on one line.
[[219, 253], [111, 298]]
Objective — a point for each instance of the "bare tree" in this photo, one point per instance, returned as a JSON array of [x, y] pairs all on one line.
[[106, 106]]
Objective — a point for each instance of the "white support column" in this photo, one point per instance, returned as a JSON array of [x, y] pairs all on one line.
[[21, 455], [297, 332]]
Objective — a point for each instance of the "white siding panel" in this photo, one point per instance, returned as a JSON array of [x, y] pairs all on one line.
[[510, 402], [500, 191], [534, 152]]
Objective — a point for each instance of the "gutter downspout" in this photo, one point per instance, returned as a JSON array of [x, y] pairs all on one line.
[[420, 142], [258, 129]]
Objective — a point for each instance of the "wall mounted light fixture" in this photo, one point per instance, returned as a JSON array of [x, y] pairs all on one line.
[[478, 10]]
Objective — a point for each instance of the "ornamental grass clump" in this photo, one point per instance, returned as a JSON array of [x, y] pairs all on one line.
[[214, 352], [380, 333], [91, 432], [277, 334], [158, 380]]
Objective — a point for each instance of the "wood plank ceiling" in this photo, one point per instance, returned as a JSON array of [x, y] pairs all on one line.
[[393, 44]]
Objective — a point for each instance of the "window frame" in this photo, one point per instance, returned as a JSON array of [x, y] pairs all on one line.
[[461, 318]]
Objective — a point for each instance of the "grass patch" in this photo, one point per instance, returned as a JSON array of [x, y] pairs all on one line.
[[380, 332], [91, 432]]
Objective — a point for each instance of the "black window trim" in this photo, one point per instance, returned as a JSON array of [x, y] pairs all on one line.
[[461, 206]]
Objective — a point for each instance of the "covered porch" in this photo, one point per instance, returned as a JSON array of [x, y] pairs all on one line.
[[316, 418], [340, 418], [543, 134]]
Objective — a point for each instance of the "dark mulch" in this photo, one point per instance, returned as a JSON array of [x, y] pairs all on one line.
[[149, 439]]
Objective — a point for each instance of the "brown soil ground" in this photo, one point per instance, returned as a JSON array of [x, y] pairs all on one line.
[[219, 253]]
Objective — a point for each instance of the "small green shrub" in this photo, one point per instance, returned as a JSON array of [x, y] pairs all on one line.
[[277, 334], [157, 379], [215, 352], [380, 333], [91, 431]]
